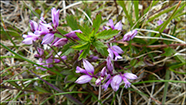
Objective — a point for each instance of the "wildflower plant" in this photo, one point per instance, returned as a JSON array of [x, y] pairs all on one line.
[[109, 55], [84, 41]]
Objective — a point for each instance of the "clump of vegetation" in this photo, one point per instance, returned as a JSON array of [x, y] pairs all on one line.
[[90, 52]]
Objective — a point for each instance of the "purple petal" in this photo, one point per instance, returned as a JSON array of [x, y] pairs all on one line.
[[98, 81], [83, 79], [105, 86], [60, 42], [117, 49], [109, 64], [45, 28], [88, 67], [57, 60], [127, 83], [130, 76], [64, 57], [126, 37], [103, 72], [80, 70], [55, 17], [159, 22], [118, 26], [134, 33], [115, 82], [27, 41], [105, 28], [49, 60], [111, 54], [33, 25], [40, 50], [73, 35], [48, 38], [111, 24]]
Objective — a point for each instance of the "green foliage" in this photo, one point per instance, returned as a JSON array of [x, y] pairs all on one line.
[[106, 34], [71, 21], [97, 23], [168, 52]]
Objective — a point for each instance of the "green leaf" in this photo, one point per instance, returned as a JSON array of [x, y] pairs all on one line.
[[180, 58], [84, 53], [58, 35], [40, 89], [168, 51], [136, 10], [103, 51], [97, 22], [133, 62], [86, 29], [171, 68], [13, 83], [122, 4], [81, 36], [71, 21], [106, 34], [81, 46], [62, 31], [67, 48], [98, 44]]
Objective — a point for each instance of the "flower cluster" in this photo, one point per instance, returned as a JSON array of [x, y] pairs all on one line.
[[106, 75], [44, 33]]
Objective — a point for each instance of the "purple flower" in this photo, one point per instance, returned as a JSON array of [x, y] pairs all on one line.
[[159, 22], [118, 25], [40, 63], [109, 65], [98, 81], [55, 17], [103, 72], [89, 71], [49, 62], [73, 35], [127, 83], [48, 38], [105, 86], [115, 82], [60, 42], [83, 79], [130, 35], [30, 38], [130, 76], [126, 76], [44, 28], [115, 50], [33, 25]]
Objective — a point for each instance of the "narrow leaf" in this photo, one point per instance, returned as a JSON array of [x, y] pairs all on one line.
[[84, 53], [71, 21], [81, 46], [106, 34], [97, 22], [81, 36]]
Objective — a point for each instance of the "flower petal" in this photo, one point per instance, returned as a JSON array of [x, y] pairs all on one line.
[[80, 70], [127, 83], [48, 38], [111, 24], [105, 86], [88, 67], [118, 26], [130, 76], [83, 79], [115, 82], [117, 49]]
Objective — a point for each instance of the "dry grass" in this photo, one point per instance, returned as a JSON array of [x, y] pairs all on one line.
[[15, 16]]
